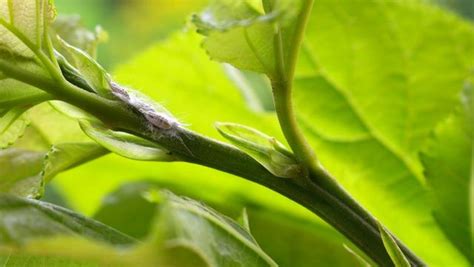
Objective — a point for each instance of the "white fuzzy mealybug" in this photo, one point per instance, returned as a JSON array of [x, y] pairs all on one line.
[[160, 121], [153, 113]]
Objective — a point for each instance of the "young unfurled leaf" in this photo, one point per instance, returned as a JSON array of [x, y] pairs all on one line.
[[263, 148], [125, 145], [392, 248], [449, 168], [71, 30], [95, 76], [243, 33], [12, 126]]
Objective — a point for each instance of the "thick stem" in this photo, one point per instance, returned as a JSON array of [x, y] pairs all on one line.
[[211, 153], [196, 149]]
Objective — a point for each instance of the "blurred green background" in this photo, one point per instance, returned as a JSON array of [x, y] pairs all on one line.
[[136, 24], [132, 25]]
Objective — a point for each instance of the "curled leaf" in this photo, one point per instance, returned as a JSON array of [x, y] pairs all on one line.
[[263, 148], [71, 29], [90, 71], [125, 145]]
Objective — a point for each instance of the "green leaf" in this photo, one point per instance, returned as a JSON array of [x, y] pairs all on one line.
[[14, 93], [392, 248], [22, 220], [25, 172], [448, 161], [186, 223], [243, 33], [180, 238], [12, 126], [263, 148], [71, 29], [55, 127], [91, 71], [62, 157], [367, 95], [125, 145], [53, 142], [132, 198], [255, 87], [23, 22], [23, 31], [20, 172]]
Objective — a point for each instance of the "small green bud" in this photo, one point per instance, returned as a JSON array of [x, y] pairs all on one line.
[[263, 148]]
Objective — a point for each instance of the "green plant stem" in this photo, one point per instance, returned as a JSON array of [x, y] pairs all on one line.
[[317, 191], [217, 155], [112, 113], [193, 148]]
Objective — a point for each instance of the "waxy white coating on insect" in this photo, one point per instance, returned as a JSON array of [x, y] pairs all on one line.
[[160, 121]]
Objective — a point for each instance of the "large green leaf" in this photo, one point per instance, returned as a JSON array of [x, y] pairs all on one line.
[[23, 28], [368, 92], [264, 223], [180, 236], [242, 33], [449, 164], [52, 144]]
